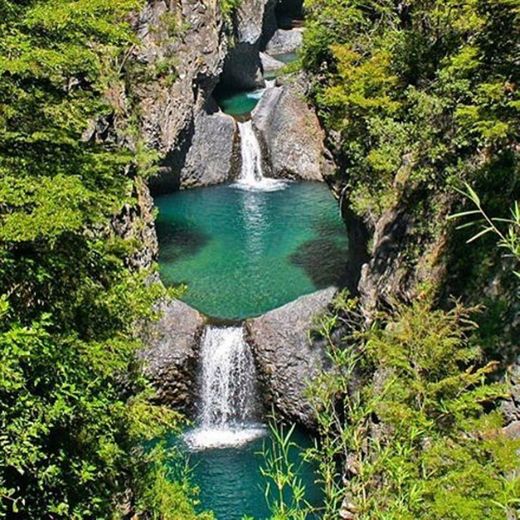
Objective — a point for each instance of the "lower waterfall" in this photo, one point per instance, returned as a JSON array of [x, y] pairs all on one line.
[[228, 401], [251, 173]]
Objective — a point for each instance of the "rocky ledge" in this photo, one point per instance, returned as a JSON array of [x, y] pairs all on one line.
[[287, 359]]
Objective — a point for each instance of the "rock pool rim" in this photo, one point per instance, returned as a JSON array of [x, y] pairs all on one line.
[[216, 321], [206, 212]]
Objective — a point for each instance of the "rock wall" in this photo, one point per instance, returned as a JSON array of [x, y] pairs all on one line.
[[403, 257], [137, 222], [181, 50], [254, 21], [172, 74], [212, 157]]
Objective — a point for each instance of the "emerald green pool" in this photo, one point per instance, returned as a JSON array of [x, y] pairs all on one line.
[[240, 103], [287, 58], [242, 253], [230, 480]]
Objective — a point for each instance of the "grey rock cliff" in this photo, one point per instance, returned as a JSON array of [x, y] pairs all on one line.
[[402, 257], [286, 357], [174, 69], [291, 135], [170, 357], [242, 68], [211, 158]]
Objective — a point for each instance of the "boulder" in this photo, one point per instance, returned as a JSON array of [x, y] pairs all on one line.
[[287, 359], [170, 356], [285, 42], [290, 135], [210, 157], [270, 64]]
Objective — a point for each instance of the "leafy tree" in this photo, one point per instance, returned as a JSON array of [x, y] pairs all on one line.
[[73, 412], [414, 429]]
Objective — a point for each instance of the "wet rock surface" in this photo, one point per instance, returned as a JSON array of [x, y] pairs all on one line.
[[170, 358], [290, 134], [287, 358]]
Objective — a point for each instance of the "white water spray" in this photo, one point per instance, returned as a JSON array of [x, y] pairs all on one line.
[[227, 392], [252, 174]]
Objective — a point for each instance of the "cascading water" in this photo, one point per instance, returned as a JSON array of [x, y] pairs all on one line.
[[228, 399], [252, 171], [251, 174]]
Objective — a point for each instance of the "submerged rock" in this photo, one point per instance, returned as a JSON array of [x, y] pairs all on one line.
[[170, 358], [287, 358], [291, 136]]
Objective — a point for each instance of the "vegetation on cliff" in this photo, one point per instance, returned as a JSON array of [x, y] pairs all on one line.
[[420, 100], [420, 93], [73, 412], [417, 429]]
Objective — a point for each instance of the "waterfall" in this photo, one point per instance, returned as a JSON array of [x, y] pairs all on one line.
[[228, 399], [251, 174], [252, 171]]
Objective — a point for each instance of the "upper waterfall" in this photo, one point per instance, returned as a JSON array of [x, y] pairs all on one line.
[[251, 173], [228, 399]]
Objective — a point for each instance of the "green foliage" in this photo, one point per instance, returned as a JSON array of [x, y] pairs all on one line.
[[166, 492], [408, 411], [421, 94], [285, 491], [228, 7], [73, 412], [506, 230]]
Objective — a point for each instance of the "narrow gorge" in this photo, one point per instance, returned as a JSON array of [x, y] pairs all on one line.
[[248, 224], [259, 259], [263, 235]]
